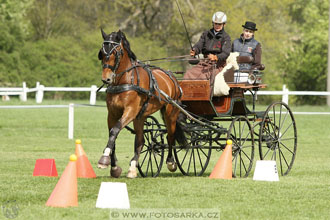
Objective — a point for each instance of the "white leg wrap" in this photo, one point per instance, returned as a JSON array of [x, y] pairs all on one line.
[[107, 152], [132, 170], [133, 165]]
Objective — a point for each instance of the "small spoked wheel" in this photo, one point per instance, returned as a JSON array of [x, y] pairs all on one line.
[[278, 137], [241, 133], [152, 153], [193, 159]]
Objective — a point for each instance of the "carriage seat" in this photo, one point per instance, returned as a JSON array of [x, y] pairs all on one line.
[[249, 59]]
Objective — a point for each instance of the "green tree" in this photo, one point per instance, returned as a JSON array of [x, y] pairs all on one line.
[[305, 64], [13, 31]]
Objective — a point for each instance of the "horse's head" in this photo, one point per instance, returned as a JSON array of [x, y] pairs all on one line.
[[111, 54]]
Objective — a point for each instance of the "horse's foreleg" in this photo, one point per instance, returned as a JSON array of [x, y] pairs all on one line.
[[138, 144], [115, 169], [108, 156], [105, 160]]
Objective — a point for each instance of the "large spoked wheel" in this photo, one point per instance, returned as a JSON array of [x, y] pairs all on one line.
[[193, 159], [152, 153], [278, 136], [241, 133]]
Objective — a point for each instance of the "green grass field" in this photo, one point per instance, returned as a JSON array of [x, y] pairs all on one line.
[[30, 134]]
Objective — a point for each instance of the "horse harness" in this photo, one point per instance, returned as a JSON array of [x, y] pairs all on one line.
[[153, 85]]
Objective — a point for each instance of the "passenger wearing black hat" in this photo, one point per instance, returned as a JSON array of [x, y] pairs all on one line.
[[246, 45]]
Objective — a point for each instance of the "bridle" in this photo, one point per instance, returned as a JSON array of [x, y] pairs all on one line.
[[114, 47]]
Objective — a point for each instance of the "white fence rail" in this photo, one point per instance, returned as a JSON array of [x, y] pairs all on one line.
[[40, 89], [71, 113], [70, 107]]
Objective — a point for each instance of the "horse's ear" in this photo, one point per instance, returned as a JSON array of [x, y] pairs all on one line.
[[121, 34], [100, 55], [104, 35]]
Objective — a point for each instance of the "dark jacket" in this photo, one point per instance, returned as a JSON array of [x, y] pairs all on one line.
[[248, 47], [219, 44]]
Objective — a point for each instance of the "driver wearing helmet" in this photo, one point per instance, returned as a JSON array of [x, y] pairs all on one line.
[[214, 44]]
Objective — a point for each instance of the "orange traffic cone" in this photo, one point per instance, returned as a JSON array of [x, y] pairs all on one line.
[[84, 167], [65, 192], [223, 168]]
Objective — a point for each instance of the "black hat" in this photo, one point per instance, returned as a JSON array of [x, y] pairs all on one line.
[[250, 25]]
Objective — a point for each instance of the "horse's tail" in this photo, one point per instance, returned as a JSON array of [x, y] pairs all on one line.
[[179, 133]]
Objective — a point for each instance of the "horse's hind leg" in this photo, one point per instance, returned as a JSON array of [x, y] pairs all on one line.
[[170, 114], [138, 144]]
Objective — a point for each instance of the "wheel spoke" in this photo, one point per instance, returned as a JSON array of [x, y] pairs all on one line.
[[145, 156], [156, 161], [274, 155], [203, 152], [281, 153], [247, 135], [286, 129], [288, 139], [150, 159], [184, 158], [247, 156], [279, 122], [235, 164], [193, 154], [146, 173], [266, 153], [199, 157], [274, 112], [286, 114], [243, 164], [286, 148], [190, 160]]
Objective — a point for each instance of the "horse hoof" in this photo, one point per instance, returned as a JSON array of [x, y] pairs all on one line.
[[132, 174], [171, 166], [104, 162], [115, 171]]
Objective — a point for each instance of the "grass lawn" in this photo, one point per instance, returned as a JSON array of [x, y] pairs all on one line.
[[30, 134]]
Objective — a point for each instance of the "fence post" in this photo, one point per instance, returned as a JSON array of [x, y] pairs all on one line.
[[92, 99], [39, 93], [285, 96], [71, 121], [23, 95]]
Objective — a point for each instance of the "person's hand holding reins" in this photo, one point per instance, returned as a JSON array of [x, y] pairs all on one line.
[[192, 53], [212, 57]]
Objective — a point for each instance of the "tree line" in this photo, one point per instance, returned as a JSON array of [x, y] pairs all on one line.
[[56, 42]]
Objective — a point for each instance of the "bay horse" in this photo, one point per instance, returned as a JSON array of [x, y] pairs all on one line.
[[134, 92]]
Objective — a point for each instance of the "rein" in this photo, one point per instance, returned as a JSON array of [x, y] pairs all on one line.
[[166, 58]]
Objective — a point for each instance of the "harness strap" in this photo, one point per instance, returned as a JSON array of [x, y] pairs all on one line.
[[127, 87], [153, 85]]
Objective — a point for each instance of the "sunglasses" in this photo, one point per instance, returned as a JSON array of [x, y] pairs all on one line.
[[218, 23]]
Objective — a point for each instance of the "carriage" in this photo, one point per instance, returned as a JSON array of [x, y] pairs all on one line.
[[195, 124], [272, 131]]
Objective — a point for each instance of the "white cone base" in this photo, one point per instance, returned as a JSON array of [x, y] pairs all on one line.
[[113, 196], [266, 170]]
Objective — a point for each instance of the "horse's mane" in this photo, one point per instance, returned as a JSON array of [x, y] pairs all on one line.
[[127, 46]]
